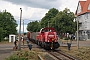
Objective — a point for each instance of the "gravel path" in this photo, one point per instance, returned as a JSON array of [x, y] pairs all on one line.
[[5, 53]]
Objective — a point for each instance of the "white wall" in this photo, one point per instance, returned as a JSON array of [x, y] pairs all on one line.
[[11, 38], [85, 20]]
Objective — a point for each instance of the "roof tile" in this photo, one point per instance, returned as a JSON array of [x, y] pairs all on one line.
[[84, 7]]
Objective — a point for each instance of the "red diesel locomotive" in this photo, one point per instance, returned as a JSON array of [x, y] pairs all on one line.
[[46, 38]]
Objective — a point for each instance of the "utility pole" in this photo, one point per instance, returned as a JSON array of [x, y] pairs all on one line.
[[19, 44], [23, 27], [77, 33], [77, 36], [23, 32]]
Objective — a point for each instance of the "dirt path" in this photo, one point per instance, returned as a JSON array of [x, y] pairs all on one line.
[[5, 53]]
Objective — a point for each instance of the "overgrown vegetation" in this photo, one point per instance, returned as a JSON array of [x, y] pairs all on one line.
[[83, 53], [23, 55]]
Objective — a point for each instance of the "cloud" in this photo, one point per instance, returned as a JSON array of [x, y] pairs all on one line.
[[45, 4], [27, 12], [70, 4], [25, 28]]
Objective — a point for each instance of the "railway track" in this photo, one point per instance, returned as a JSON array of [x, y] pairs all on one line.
[[59, 55]]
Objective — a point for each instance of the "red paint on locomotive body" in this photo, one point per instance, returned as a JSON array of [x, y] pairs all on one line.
[[47, 35]]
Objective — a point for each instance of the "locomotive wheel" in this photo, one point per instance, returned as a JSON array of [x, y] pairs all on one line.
[[47, 46], [38, 43], [42, 44]]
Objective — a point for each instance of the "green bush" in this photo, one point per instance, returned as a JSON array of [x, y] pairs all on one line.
[[16, 58]]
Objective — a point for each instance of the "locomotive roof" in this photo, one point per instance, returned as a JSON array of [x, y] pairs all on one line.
[[48, 29]]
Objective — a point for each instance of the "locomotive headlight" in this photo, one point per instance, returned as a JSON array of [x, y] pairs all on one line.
[[52, 39], [48, 40]]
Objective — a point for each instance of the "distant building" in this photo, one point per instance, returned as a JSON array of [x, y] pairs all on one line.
[[83, 17], [11, 38]]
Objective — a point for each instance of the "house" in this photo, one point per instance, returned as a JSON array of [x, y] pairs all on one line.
[[83, 17]]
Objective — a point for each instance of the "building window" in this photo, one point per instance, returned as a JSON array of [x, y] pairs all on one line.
[[89, 7]]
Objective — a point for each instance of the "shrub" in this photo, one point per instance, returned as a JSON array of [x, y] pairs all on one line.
[[23, 55]]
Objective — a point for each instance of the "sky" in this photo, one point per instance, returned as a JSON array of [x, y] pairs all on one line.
[[34, 9]]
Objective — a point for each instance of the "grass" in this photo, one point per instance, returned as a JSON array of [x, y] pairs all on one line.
[[83, 53], [4, 42], [23, 55]]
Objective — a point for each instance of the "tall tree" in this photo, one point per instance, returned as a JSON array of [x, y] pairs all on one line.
[[33, 26], [64, 22], [1, 33], [48, 17], [8, 23]]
